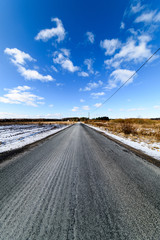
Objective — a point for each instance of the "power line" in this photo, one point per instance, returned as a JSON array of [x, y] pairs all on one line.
[[128, 79]]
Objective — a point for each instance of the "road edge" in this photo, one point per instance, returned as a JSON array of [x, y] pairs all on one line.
[[137, 152]]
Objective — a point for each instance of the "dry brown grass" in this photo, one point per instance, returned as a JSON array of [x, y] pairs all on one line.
[[138, 129], [36, 122]]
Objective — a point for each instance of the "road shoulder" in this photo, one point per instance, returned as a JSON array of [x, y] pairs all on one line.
[[138, 152]]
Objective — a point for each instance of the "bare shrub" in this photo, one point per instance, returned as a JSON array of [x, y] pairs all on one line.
[[128, 128], [158, 135], [40, 124]]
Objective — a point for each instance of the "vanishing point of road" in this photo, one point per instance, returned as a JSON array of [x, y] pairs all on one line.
[[79, 185]]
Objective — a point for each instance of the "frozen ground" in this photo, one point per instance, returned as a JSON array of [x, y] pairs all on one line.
[[152, 150], [16, 136]]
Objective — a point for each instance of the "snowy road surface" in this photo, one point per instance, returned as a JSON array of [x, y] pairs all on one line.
[[79, 185]]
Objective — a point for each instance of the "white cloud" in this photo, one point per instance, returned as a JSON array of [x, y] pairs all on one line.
[[98, 94], [146, 17], [33, 75], [113, 62], [110, 45], [21, 95], [131, 51], [66, 52], [86, 108], [68, 65], [136, 8], [58, 32], [75, 109], [90, 37], [97, 105], [83, 74], [18, 56], [119, 76], [122, 26], [92, 85], [21, 88], [82, 100], [62, 57], [89, 64], [19, 59]]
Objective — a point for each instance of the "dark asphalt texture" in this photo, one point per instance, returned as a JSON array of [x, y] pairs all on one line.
[[79, 185]]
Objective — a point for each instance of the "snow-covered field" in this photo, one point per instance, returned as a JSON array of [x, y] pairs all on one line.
[[16, 136], [152, 150]]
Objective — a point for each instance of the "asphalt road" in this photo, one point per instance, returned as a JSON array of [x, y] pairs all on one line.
[[79, 185]]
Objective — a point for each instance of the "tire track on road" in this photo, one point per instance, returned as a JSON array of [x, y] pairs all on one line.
[[79, 185]]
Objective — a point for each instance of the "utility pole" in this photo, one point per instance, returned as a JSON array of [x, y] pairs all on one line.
[[88, 115]]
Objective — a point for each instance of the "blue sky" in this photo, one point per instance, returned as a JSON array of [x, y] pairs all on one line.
[[65, 58]]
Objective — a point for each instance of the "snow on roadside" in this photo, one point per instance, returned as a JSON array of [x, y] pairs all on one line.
[[16, 136], [152, 150]]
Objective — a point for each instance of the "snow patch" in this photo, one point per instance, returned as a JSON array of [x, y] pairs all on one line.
[[17, 136]]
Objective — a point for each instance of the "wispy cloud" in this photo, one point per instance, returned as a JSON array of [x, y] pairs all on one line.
[[122, 26], [89, 63], [157, 18], [110, 45], [57, 32], [82, 100], [90, 37], [119, 76], [54, 68], [92, 85], [21, 95], [75, 109], [86, 108], [97, 105], [59, 84], [18, 58], [146, 17], [135, 8], [97, 94], [61, 57], [83, 74]]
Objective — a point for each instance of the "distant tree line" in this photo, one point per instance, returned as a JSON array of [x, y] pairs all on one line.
[[29, 120], [102, 118], [155, 118], [72, 119]]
